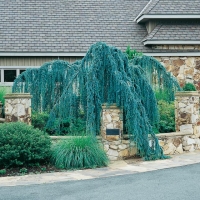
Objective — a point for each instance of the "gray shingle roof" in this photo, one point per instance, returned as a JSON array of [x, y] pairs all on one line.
[[176, 7], [175, 32], [68, 25]]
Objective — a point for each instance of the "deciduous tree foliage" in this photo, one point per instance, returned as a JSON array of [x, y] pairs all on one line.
[[104, 75]]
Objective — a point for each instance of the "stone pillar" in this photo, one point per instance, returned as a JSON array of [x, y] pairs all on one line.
[[111, 122], [115, 146], [187, 112], [18, 107]]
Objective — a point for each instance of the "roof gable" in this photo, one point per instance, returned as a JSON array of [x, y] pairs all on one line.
[[173, 7], [176, 8], [174, 33]]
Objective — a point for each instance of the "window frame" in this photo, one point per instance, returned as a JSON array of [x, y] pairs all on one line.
[[17, 68]]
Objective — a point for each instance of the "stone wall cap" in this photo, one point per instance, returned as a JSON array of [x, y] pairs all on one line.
[[64, 137], [163, 135], [187, 93], [59, 137], [110, 106], [172, 134], [18, 96]]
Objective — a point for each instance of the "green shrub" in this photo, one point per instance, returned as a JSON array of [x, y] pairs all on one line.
[[166, 112], [39, 120], [67, 127], [2, 171], [3, 92], [23, 170], [78, 153], [161, 95], [43, 169], [167, 116], [189, 87], [21, 144], [132, 53], [75, 126]]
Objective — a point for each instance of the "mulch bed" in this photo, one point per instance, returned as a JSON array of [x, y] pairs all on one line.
[[48, 168], [20, 171]]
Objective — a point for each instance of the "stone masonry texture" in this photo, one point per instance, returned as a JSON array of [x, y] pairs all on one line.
[[187, 136], [115, 146], [185, 69], [18, 108]]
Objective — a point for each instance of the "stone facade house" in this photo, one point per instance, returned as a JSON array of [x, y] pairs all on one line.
[[34, 32]]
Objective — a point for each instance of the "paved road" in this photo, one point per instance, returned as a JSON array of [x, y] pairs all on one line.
[[181, 183]]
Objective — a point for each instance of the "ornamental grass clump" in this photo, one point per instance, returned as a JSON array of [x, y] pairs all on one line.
[[78, 153], [21, 145]]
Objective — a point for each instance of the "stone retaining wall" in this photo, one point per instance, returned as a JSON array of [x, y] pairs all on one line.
[[118, 149], [177, 143], [115, 150], [187, 137], [172, 143]]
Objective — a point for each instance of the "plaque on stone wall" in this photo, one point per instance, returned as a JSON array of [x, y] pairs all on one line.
[[112, 131]]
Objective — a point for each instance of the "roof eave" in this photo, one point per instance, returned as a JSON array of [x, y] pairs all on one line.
[[168, 42], [146, 17], [173, 54], [40, 54]]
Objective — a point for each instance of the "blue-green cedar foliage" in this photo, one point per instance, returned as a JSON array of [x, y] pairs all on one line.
[[104, 75]]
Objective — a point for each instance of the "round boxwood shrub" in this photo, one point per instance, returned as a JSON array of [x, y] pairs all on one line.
[[79, 152], [189, 87], [21, 144]]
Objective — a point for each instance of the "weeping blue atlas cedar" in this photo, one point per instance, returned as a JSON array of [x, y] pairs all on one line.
[[104, 75]]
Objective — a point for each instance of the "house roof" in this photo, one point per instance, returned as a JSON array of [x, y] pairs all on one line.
[[172, 7], [180, 33], [68, 26], [178, 8]]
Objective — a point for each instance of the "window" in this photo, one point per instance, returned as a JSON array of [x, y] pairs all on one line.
[[9, 73], [21, 70]]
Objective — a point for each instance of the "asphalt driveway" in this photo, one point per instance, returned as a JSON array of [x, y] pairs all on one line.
[[181, 183]]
